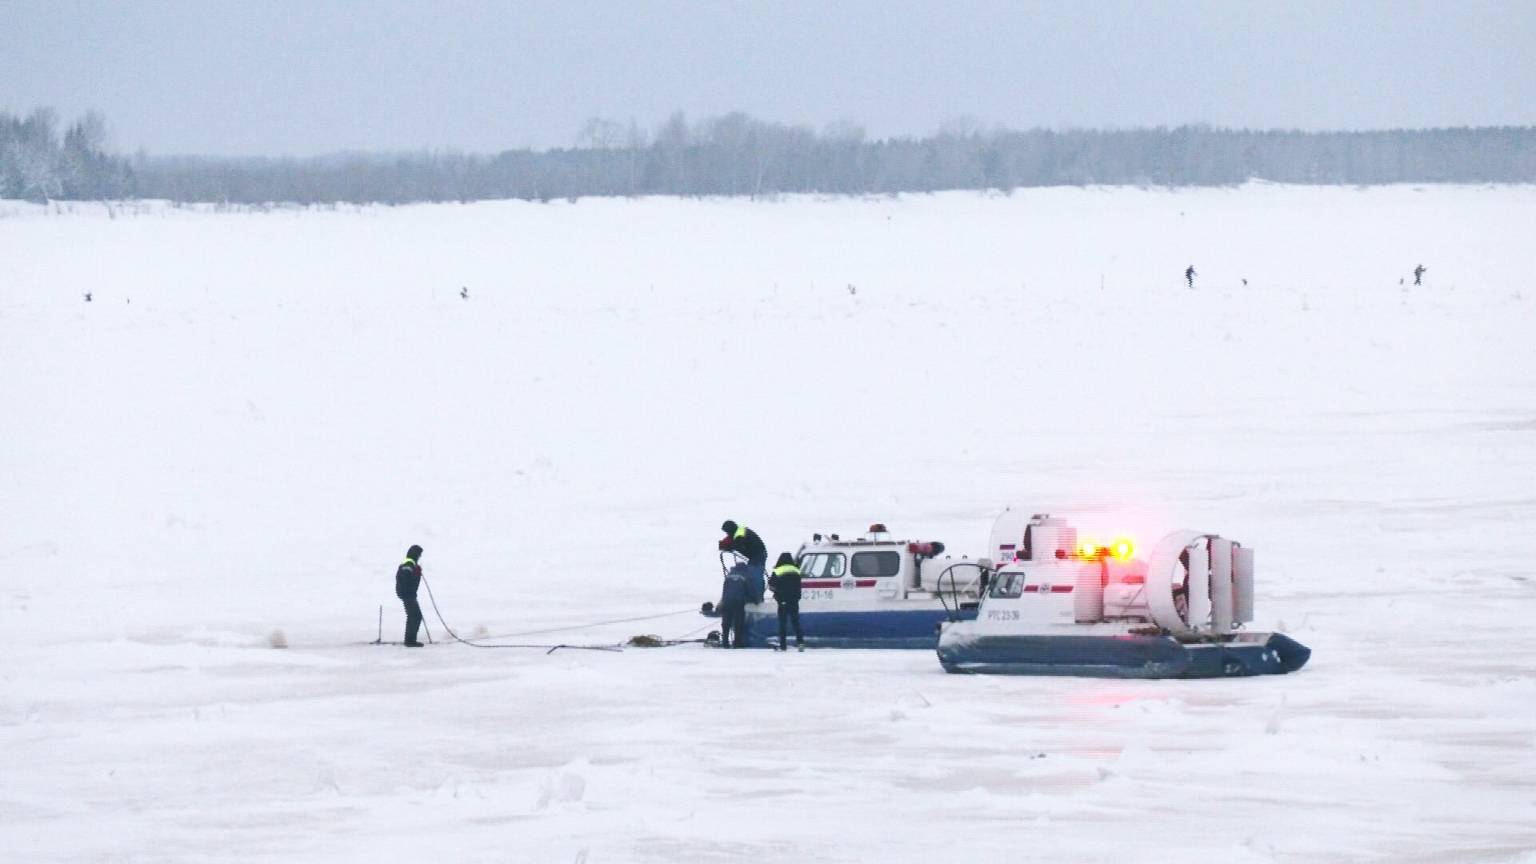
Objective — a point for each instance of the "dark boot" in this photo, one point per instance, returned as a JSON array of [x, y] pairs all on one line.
[[412, 621]]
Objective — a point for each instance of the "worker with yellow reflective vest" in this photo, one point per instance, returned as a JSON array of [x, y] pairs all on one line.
[[407, 580], [745, 542], [785, 583]]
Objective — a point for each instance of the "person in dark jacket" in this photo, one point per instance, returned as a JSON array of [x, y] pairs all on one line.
[[1190, 274], [733, 607], [785, 583], [407, 580], [745, 542]]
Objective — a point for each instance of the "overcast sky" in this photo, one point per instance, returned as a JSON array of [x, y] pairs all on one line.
[[253, 77]]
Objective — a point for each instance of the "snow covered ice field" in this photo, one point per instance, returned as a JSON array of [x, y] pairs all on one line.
[[260, 411]]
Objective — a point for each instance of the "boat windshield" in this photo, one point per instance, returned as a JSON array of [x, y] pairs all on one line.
[[823, 565], [1008, 584]]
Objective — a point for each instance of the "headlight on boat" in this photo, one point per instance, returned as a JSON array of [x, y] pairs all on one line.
[[1123, 549]]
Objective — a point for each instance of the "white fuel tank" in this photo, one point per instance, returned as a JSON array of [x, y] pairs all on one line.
[[1047, 536], [1088, 593]]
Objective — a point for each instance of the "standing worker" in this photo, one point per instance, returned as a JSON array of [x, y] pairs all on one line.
[[1190, 274], [1418, 274], [785, 583], [733, 607], [745, 542], [407, 580]]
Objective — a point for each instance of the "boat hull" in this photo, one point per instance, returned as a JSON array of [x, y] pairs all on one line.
[[1123, 656]]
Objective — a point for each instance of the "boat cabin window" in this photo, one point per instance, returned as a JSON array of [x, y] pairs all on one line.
[[876, 564], [823, 565], [1010, 584]]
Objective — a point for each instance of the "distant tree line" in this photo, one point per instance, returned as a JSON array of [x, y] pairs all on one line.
[[38, 164], [738, 155]]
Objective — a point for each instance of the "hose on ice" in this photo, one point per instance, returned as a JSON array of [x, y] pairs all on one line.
[[493, 641]]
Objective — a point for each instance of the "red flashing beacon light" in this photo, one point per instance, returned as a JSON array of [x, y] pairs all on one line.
[[1121, 549]]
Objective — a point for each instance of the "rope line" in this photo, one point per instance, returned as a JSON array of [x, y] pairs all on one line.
[[691, 611], [479, 644]]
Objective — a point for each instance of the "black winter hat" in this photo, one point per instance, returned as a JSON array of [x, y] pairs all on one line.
[[413, 553], [785, 558], [728, 527]]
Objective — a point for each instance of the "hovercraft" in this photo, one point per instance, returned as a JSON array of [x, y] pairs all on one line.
[[1059, 607], [873, 592]]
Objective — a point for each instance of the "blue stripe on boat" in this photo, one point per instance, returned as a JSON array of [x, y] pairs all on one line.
[[894, 628]]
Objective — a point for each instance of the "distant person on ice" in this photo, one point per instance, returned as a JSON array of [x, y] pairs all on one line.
[[785, 583], [407, 580], [1189, 275], [1418, 274], [745, 542]]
